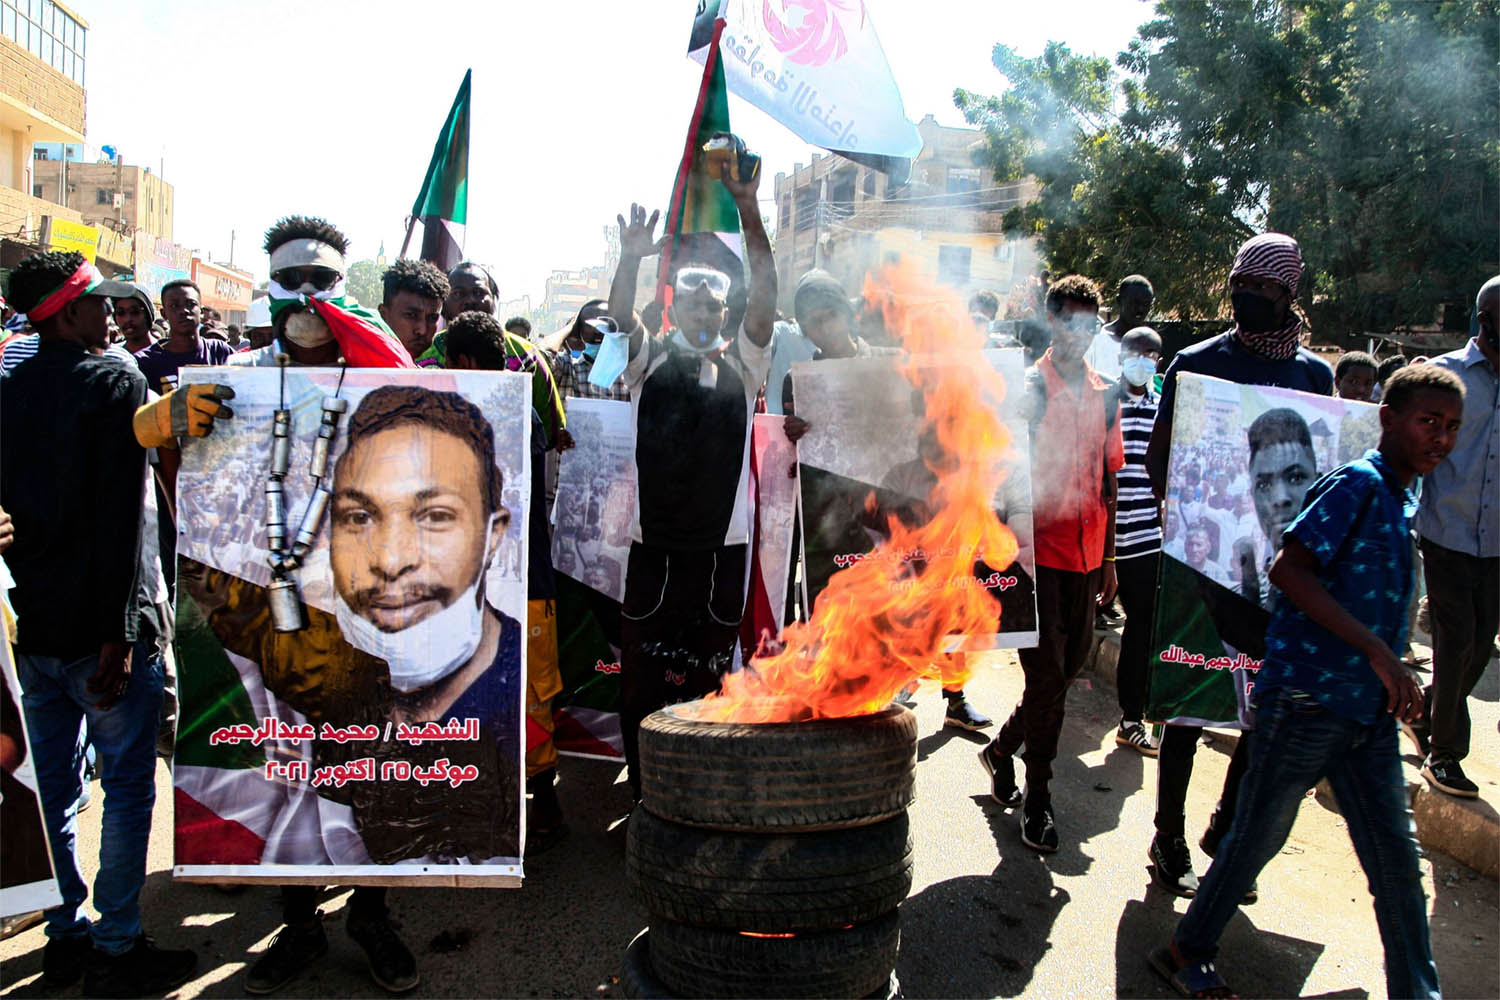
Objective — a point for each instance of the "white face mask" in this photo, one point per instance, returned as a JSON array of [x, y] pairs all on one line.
[[1137, 369], [423, 654], [306, 329]]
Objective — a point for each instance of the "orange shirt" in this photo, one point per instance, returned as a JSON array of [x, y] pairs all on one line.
[[1073, 446]]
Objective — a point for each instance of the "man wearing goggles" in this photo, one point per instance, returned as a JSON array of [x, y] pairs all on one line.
[[693, 391]]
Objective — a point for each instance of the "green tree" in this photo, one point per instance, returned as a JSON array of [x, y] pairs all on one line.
[[364, 284], [1369, 130]]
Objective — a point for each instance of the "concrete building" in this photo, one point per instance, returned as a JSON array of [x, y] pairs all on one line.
[[112, 194], [948, 216], [42, 49], [567, 291]]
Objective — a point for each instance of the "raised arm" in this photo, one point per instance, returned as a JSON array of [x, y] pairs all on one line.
[[636, 241], [760, 311]]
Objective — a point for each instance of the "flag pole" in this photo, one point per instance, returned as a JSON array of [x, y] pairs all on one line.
[[411, 223], [674, 211]]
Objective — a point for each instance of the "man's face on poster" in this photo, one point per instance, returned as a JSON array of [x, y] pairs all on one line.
[[410, 528], [1280, 475], [1196, 547]]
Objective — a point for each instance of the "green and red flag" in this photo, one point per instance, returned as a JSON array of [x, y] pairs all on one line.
[[443, 204]]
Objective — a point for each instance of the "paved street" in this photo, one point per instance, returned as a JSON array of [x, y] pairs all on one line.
[[986, 917]]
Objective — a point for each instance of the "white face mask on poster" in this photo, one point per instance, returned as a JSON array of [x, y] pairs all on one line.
[[423, 654]]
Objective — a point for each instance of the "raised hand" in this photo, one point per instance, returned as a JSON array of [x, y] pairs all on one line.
[[637, 239]]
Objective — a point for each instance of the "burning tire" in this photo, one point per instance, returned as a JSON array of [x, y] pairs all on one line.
[[795, 776], [703, 962], [768, 882]]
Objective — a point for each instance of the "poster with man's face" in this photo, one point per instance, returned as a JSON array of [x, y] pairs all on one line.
[[1242, 460], [380, 735], [26, 879], [596, 496], [869, 457]]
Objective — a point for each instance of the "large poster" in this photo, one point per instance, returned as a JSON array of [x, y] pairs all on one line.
[[357, 715], [26, 879], [1242, 459], [863, 462], [590, 550], [596, 496]]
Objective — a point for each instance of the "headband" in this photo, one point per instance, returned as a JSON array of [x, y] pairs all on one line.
[[306, 252], [80, 283], [1271, 255]]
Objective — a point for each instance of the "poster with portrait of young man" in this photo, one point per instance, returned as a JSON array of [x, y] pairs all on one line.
[[1270, 445], [377, 735]]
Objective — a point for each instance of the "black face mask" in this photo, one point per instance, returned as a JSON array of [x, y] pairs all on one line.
[[1254, 313]]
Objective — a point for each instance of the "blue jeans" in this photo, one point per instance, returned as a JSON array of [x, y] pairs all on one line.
[[1296, 743], [57, 703]]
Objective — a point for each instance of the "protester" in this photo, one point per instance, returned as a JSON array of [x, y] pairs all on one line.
[[520, 326], [1133, 300], [984, 306], [307, 260], [573, 362], [184, 344], [693, 394], [1076, 450], [412, 302], [1331, 689], [1263, 348], [1459, 529], [1137, 535], [258, 324], [789, 345], [234, 336], [134, 315], [82, 658], [1354, 376], [1388, 367]]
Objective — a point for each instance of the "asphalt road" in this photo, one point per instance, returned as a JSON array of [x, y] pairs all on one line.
[[986, 917]]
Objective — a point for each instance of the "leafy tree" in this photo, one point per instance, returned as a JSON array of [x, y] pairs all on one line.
[[1368, 130], [364, 285]]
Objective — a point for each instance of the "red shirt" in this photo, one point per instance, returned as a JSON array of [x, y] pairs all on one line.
[[1074, 445]]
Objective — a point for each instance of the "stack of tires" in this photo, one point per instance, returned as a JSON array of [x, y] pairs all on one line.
[[771, 857]]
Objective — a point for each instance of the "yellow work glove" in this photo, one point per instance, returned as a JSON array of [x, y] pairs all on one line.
[[184, 412]]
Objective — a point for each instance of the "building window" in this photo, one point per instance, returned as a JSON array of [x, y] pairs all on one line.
[[48, 32], [1004, 251], [39, 153], [869, 183], [953, 265], [36, 190], [106, 196]]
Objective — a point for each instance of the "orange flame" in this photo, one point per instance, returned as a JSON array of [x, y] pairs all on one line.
[[885, 620]]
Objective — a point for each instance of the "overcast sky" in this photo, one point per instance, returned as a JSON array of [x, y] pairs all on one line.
[[330, 107]]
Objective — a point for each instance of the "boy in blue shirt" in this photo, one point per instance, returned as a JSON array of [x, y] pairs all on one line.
[[1331, 691]]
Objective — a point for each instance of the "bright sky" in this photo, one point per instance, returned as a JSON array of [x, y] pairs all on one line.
[[331, 107]]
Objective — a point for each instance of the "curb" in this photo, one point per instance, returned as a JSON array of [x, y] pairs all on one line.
[[1467, 830]]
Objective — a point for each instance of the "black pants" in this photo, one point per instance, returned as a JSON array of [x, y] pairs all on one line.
[[1065, 606], [299, 902], [1463, 598], [1174, 769], [678, 628], [1137, 578]]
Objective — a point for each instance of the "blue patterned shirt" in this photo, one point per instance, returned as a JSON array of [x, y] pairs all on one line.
[[1356, 522]]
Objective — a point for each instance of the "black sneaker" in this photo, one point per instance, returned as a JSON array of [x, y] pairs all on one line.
[[1172, 866], [1002, 770], [293, 949], [1134, 734], [63, 960], [1038, 832], [961, 715], [143, 970], [391, 964], [1445, 774], [1417, 733]]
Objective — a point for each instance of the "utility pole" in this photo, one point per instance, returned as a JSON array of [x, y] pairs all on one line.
[[231, 248]]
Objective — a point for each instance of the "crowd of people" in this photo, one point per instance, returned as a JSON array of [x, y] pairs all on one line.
[[90, 394]]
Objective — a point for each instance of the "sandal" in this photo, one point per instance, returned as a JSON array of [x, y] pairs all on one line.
[[1190, 979]]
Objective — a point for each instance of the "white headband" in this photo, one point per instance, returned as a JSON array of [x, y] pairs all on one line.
[[305, 252]]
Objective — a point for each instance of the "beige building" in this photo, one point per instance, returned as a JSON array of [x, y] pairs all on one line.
[[42, 47], [113, 195], [947, 216]]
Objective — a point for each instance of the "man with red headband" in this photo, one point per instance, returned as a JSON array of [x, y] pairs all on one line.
[[82, 653]]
